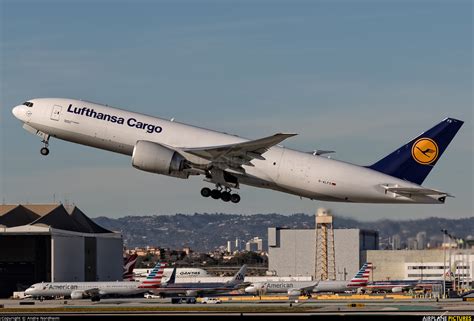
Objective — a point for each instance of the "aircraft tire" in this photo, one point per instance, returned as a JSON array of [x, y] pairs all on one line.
[[225, 196], [235, 198], [44, 151], [215, 194], [205, 192]]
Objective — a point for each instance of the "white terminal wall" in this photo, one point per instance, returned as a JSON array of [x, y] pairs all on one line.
[[399, 264]]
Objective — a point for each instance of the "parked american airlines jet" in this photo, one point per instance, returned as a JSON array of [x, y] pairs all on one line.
[[175, 149], [307, 287], [96, 290]]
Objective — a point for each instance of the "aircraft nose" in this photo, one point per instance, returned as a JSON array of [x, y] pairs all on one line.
[[19, 112]]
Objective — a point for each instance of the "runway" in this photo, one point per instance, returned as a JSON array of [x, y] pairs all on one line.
[[141, 306]]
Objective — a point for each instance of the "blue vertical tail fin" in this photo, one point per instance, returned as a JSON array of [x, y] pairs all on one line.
[[172, 279], [414, 160]]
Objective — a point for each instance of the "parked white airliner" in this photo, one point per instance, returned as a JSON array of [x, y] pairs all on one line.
[[307, 287], [175, 149], [96, 290]]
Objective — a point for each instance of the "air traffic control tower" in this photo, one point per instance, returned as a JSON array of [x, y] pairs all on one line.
[[325, 256]]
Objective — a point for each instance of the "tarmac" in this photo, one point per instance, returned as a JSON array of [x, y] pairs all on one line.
[[320, 305]]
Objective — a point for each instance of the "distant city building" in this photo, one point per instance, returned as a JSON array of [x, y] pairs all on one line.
[[238, 245], [144, 251], [254, 245], [396, 242], [187, 250], [421, 241], [412, 243], [230, 247]]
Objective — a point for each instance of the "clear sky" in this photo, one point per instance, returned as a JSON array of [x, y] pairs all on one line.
[[357, 77]]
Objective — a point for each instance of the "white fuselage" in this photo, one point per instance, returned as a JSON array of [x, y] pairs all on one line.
[[54, 289], [283, 169], [181, 273], [285, 287], [278, 287], [333, 286]]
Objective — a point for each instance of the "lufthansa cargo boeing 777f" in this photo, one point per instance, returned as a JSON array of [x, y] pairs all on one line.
[[175, 149]]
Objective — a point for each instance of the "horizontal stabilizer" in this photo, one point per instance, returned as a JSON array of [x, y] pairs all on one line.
[[413, 191]]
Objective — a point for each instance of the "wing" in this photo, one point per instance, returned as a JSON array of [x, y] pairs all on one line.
[[93, 292], [310, 287], [414, 191], [303, 289], [233, 156]]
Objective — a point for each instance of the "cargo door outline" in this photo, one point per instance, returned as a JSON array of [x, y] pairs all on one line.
[[56, 112]]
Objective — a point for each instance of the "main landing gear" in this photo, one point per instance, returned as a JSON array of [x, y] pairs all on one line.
[[222, 193]]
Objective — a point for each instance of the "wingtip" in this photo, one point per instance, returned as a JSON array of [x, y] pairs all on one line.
[[287, 134]]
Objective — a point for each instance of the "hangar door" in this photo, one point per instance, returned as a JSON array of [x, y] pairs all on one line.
[[24, 260]]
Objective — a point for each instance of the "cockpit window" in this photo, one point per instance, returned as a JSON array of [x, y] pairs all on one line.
[[28, 104]]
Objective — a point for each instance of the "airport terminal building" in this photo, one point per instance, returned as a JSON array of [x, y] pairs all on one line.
[[432, 264], [54, 243], [292, 253]]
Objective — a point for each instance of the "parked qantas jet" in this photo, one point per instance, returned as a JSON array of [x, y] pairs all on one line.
[[175, 149]]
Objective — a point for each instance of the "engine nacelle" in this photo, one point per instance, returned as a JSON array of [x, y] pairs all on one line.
[[293, 292], [155, 158], [76, 295], [192, 293], [397, 289]]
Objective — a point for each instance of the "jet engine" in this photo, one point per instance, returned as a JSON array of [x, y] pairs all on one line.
[[293, 292], [397, 289], [192, 293], [76, 295], [155, 158]]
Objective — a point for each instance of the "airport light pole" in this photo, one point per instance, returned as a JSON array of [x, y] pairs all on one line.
[[456, 240], [444, 260]]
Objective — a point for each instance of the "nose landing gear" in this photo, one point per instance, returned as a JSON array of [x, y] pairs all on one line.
[[45, 150], [223, 193]]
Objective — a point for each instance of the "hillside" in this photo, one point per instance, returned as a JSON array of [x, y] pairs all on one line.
[[205, 232]]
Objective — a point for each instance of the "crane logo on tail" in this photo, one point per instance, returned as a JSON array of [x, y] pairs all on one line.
[[425, 151]]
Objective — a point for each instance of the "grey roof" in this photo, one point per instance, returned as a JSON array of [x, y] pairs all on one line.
[[85, 221], [15, 215], [53, 215]]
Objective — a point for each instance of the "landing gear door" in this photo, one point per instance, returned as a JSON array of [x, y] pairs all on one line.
[[56, 112]]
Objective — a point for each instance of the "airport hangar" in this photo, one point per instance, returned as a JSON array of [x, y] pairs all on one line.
[[54, 243]]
